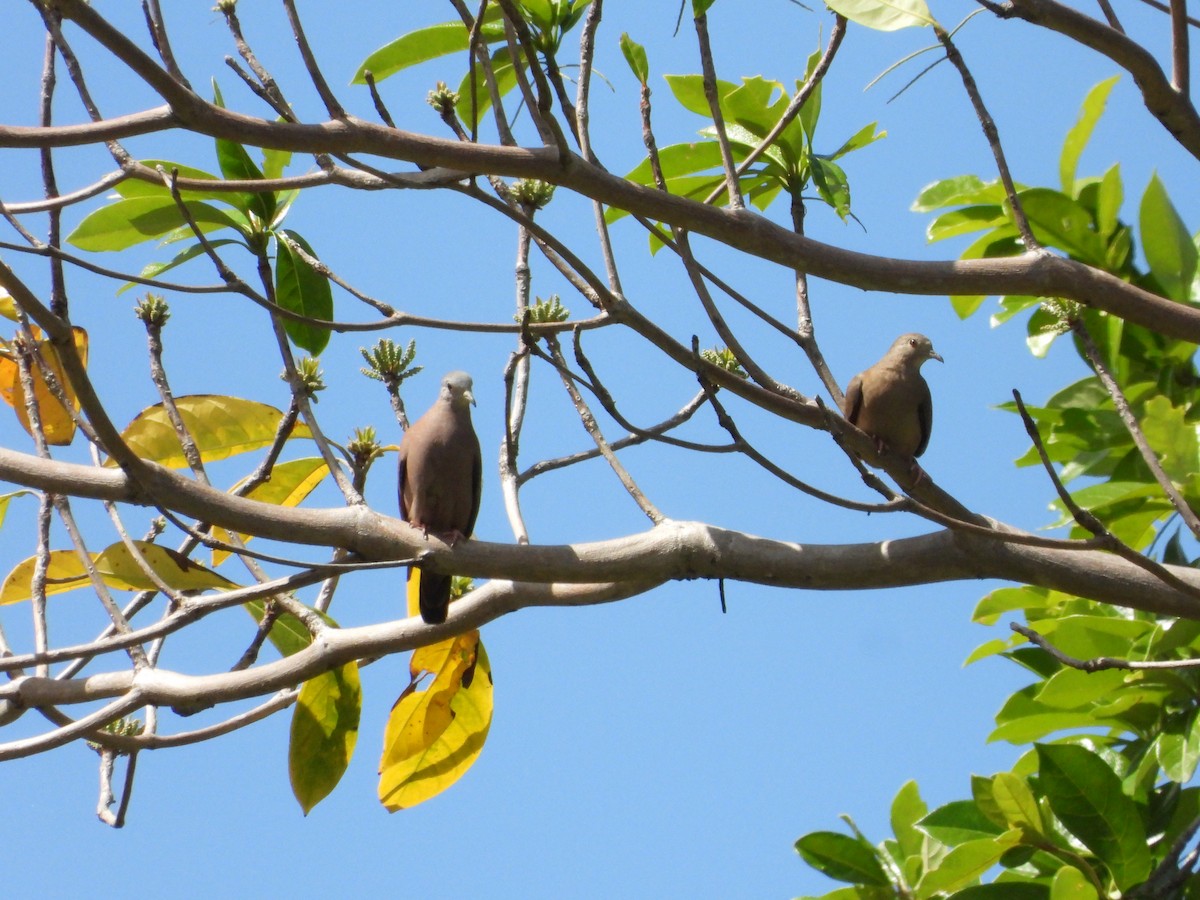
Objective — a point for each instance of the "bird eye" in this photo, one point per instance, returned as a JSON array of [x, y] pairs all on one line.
[[912, 342]]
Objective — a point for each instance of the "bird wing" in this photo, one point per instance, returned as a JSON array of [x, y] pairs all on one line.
[[403, 481], [852, 402], [925, 417], [476, 488]]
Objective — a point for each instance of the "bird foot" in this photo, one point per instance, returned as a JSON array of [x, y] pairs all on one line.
[[451, 537]]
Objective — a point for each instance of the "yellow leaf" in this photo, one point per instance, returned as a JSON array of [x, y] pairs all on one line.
[[220, 426], [423, 753], [120, 570], [117, 568], [65, 573], [290, 483], [57, 422], [8, 306], [324, 733]]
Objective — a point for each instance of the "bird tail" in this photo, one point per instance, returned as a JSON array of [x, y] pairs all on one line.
[[428, 594]]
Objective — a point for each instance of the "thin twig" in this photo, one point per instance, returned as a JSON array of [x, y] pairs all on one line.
[[1092, 352], [162, 42], [1099, 663], [478, 57], [732, 184], [1110, 16], [992, 134], [593, 429], [1180, 53], [516, 395], [1162, 7], [805, 328], [797, 102], [645, 434], [1089, 521], [596, 386], [332, 105], [748, 450]]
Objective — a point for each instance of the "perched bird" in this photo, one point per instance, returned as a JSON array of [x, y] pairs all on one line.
[[440, 478], [890, 401]]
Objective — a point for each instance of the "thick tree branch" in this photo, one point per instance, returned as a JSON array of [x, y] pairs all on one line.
[[673, 550], [1170, 106]]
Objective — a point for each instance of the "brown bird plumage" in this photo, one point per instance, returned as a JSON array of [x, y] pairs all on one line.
[[890, 401], [441, 475]]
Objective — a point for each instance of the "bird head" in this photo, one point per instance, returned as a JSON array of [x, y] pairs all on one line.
[[456, 389], [914, 349]]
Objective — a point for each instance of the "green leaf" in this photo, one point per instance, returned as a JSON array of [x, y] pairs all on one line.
[[425, 44], [756, 104], [964, 220], [679, 159], [1059, 221], [635, 55], [810, 112], [983, 793], [908, 809], [864, 137], [700, 7], [842, 857], [1013, 305], [988, 648], [301, 289], [287, 635], [1016, 802], [965, 863], [832, 185], [1169, 250], [1002, 600], [1084, 636], [1173, 438], [1008, 890], [1179, 748], [964, 189], [132, 188], [1073, 688], [967, 305], [541, 14], [884, 15], [126, 223], [689, 91], [1109, 198], [1085, 794], [275, 161], [958, 822], [236, 165], [1071, 884], [742, 140], [1081, 132], [323, 734]]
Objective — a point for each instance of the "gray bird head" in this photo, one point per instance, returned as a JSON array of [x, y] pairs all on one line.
[[913, 349], [456, 388]]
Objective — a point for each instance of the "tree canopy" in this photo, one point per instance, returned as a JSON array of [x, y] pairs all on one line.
[[661, 282]]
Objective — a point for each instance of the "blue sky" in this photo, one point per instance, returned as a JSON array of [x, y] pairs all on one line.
[[653, 747]]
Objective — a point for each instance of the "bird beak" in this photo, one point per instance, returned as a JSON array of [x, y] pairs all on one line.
[[470, 398], [933, 354]]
